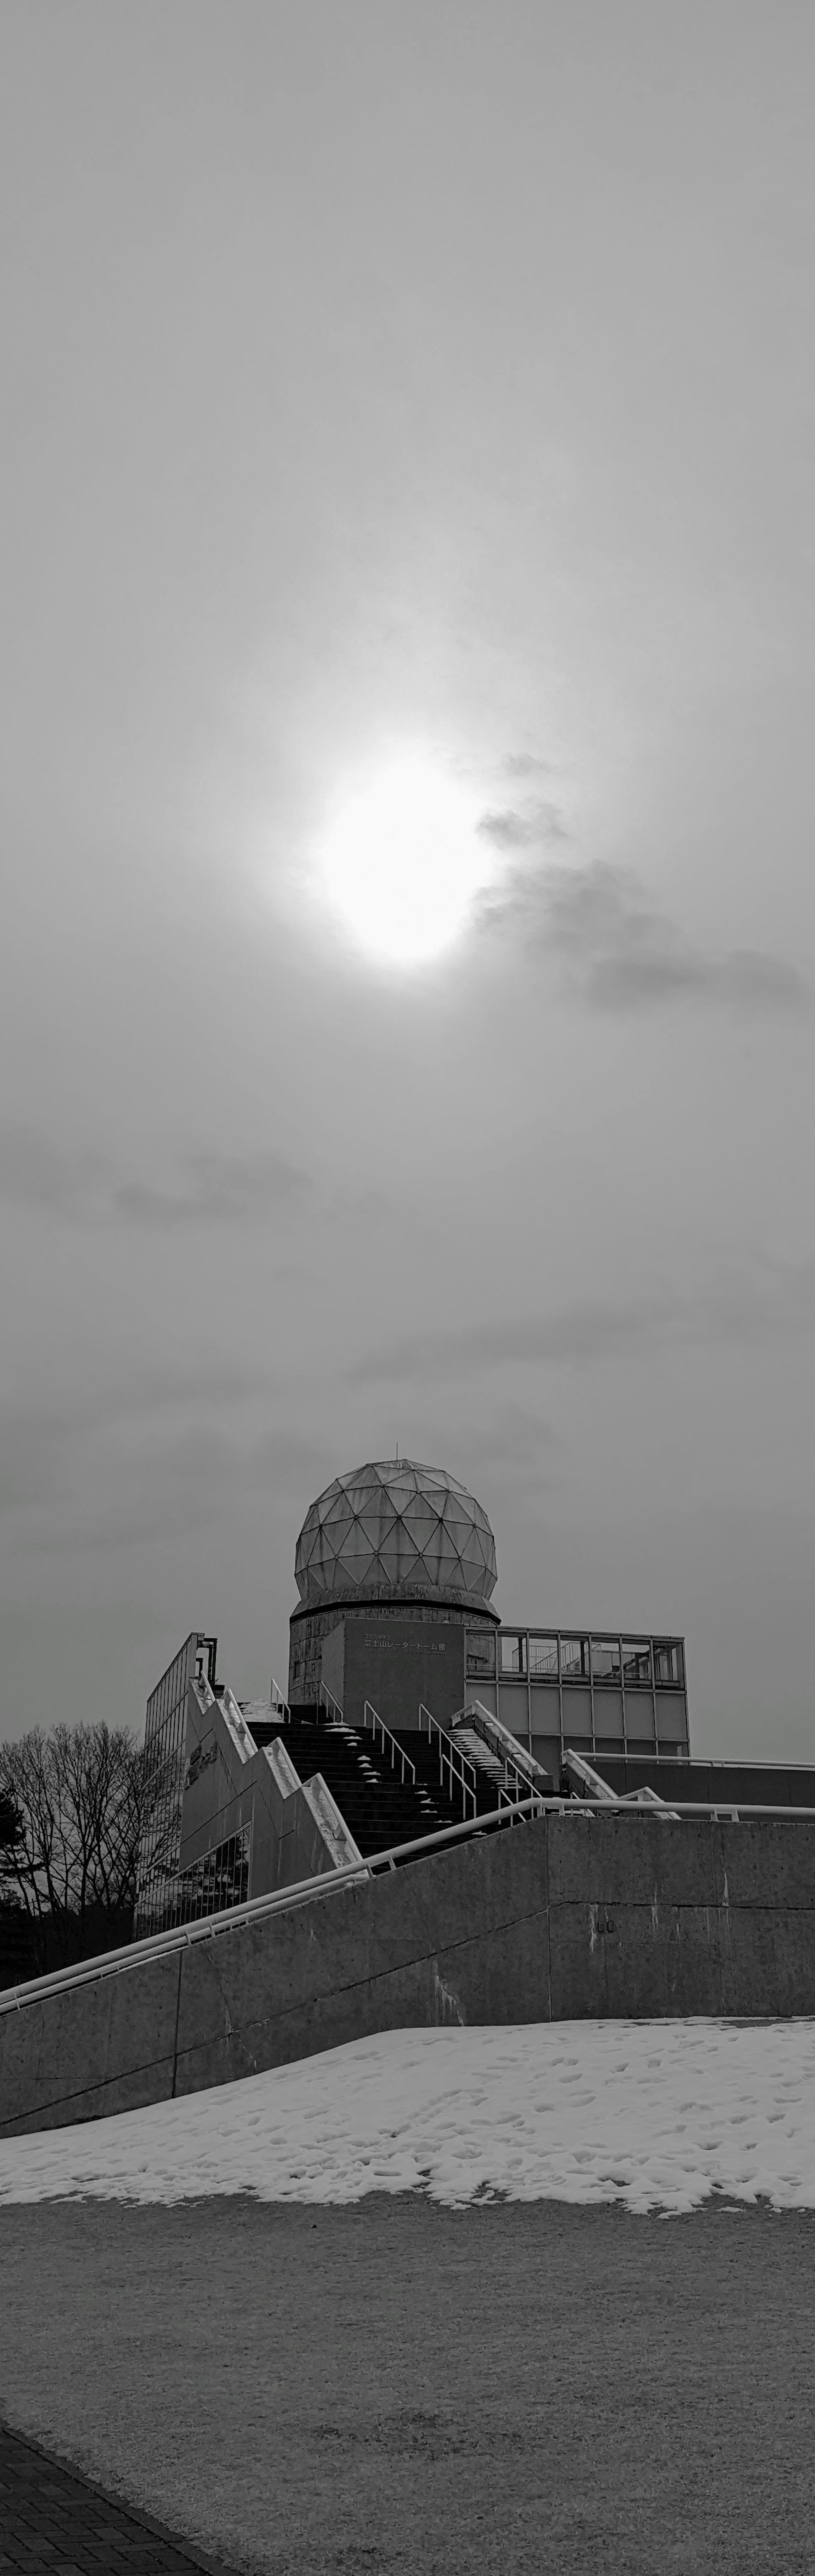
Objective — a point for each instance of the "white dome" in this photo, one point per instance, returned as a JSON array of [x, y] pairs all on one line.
[[395, 1530]]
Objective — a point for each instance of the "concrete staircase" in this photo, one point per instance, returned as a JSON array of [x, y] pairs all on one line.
[[491, 1774], [485, 1774], [378, 1807]]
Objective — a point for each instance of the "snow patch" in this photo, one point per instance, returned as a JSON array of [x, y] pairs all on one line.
[[654, 2115]]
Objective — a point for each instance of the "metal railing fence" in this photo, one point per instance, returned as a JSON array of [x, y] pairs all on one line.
[[397, 1752], [460, 1770]]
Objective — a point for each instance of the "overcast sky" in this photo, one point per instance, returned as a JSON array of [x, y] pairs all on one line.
[[432, 377]]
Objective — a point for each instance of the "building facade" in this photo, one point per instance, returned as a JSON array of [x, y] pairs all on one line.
[[165, 1754], [596, 1690]]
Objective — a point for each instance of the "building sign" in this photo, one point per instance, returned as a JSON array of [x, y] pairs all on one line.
[[378, 1639], [396, 1663]]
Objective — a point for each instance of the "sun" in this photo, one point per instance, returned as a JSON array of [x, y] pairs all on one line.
[[402, 862]]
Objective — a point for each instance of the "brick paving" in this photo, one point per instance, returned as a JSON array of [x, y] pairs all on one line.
[[53, 2522]]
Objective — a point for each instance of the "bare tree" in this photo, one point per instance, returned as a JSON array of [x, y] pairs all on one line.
[[73, 1801], [10, 1833]]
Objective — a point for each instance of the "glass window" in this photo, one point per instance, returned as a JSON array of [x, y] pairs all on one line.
[[608, 1717], [637, 1670], [546, 1750], [605, 1659], [543, 1659], [513, 1654], [669, 1662], [574, 1658], [480, 1650]]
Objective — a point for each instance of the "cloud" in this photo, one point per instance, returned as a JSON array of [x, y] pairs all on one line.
[[37, 1174], [530, 829], [518, 1445], [169, 1449], [524, 764], [620, 953], [217, 1188], [776, 1304], [209, 1188]]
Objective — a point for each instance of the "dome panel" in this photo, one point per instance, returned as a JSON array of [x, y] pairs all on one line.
[[395, 1525]]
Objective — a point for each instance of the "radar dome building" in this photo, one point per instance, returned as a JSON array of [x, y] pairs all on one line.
[[395, 1531], [411, 1706], [394, 1564]]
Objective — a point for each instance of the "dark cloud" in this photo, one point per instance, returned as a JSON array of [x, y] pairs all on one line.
[[217, 1188], [524, 764], [43, 1440], [209, 1188], [37, 1174], [530, 829], [777, 1303], [578, 1334], [166, 1448], [621, 953]]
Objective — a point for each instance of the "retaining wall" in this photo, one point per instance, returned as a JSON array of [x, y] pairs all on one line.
[[567, 1917]]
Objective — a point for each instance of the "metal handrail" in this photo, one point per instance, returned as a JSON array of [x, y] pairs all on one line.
[[719, 1810], [388, 1739], [498, 1740], [447, 1748], [469, 1714], [158, 1945], [209, 1927], [331, 1705], [491, 1735]]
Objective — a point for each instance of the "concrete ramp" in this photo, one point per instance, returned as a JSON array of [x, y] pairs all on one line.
[[568, 1915]]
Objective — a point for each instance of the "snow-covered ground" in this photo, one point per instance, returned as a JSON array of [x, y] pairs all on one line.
[[656, 2115]]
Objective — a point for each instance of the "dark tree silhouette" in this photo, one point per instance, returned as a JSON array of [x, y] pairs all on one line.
[[71, 1801]]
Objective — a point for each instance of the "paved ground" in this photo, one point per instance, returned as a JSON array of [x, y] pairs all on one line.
[[396, 2387], [53, 2523]]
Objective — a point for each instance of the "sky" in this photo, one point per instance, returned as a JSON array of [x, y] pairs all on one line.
[[407, 385]]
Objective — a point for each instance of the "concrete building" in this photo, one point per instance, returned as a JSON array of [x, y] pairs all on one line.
[[410, 1706]]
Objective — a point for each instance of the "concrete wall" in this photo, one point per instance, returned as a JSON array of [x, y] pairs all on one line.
[[397, 1660], [391, 1652], [332, 1663], [298, 1830], [571, 1916]]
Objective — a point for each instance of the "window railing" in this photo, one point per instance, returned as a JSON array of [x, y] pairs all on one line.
[[460, 1770], [372, 1720]]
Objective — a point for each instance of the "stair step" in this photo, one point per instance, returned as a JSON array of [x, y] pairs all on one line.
[[380, 1807]]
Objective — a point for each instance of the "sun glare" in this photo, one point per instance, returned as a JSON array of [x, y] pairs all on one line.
[[403, 861]]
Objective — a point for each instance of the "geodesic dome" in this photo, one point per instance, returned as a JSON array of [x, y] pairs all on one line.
[[395, 1530]]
